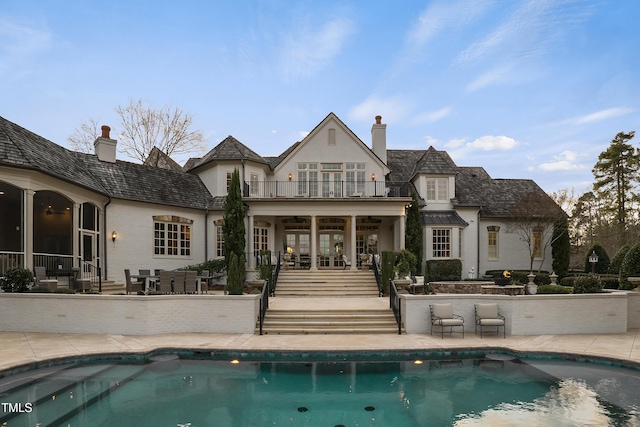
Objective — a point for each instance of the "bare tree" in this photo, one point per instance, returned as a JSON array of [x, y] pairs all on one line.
[[142, 129], [166, 128], [83, 137], [534, 217]]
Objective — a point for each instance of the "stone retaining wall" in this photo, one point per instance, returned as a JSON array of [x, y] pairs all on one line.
[[461, 287]]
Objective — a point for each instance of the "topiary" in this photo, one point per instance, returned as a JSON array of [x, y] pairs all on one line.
[[616, 262], [630, 267], [602, 266], [16, 280], [386, 269], [587, 284]]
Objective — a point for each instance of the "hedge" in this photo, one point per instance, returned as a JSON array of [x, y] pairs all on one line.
[[441, 270], [554, 289]]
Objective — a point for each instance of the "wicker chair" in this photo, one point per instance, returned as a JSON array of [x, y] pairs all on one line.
[[132, 286]]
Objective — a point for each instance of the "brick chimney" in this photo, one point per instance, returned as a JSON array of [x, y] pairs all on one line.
[[105, 146], [379, 139]]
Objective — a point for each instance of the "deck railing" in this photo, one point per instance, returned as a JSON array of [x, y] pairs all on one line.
[[326, 189], [378, 275], [394, 304], [264, 303], [9, 260]]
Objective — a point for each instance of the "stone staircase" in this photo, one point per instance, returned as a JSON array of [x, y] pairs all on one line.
[[326, 283], [109, 287], [328, 302]]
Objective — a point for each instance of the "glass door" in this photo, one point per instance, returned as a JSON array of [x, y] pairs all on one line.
[[331, 249]]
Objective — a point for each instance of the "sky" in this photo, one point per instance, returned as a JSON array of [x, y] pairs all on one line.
[[533, 89]]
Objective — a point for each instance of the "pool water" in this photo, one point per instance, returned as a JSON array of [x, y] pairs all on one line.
[[165, 390]]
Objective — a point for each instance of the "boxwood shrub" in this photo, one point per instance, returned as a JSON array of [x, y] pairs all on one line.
[[587, 284], [630, 267], [440, 270], [554, 289]]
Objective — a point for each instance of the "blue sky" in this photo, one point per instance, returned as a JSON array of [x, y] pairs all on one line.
[[527, 89]]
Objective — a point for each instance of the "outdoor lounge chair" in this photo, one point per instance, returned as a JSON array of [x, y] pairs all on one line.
[[487, 315], [191, 282], [346, 262], [40, 274], [130, 286], [442, 315]]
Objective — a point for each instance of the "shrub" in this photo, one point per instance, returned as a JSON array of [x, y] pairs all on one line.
[[40, 289], [440, 270], [16, 280], [587, 284], [234, 282], [554, 289], [568, 281], [616, 262], [630, 267], [519, 277], [386, 269], [602, 266], [405, 263], [64, 291], [266, 269]]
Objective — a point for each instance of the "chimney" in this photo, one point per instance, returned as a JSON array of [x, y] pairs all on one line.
[[379, 139], [105, 146]]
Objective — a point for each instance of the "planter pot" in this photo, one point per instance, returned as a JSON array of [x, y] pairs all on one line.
[[532, 289], [502, 281]]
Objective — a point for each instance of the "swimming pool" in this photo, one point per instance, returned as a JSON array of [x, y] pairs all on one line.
[[196, 388]]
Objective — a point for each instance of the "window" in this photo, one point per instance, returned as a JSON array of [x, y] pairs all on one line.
[[492, 242], [253, 184], [537, 243], [260, 236], [332, 136], [438, 189], [442, 243], [172, 235], [355, 178], [229, 175], [219, 240]]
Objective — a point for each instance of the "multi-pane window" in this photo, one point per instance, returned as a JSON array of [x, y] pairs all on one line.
[[219, 241], [253, 184], [172, 236], [441, 243], [260, 236], [438, 189], [492, 242], [537, 244], [355, 178], [229, 175]]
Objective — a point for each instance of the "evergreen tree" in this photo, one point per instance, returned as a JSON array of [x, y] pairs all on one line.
[[413, 235], [602, 266], [561, 247], [616, 172], [233, 227]]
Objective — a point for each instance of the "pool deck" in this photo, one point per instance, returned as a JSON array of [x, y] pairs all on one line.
[[19, 348]]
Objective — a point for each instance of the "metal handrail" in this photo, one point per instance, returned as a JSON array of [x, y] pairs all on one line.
[[276, 273], [376, 272], [264, 303], [91, 272], [394, 304]]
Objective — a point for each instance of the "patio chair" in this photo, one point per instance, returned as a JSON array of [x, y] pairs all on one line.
[[40, 273], [132, 286], [346, 262], [442, 315], [165, 283], [178, 281], [191, 282], [487, 315]]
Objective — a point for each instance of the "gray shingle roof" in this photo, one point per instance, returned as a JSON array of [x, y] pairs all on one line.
[[442, 218], [124, 180], [230, 149]]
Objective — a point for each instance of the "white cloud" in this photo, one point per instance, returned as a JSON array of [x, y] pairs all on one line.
[[392, 109], [494, 76], [491, 142], [308, 50], [566, 161], [603, 115], [22, 40], [455, 143], [303, 134], [433, 116]]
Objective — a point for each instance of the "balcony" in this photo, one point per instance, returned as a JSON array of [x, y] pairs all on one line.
[[326, 189]]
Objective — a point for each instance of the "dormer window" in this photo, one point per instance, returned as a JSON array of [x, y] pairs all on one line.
[[437, 189]]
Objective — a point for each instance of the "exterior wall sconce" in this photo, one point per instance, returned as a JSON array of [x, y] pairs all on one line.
[[114, 236], [290, 176], [373, 177]]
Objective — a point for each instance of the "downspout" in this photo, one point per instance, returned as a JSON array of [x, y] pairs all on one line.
[[206, 235], [104, 241], [478, 243]]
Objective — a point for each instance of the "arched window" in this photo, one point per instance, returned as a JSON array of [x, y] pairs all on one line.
[[52, 223], [11, 218]]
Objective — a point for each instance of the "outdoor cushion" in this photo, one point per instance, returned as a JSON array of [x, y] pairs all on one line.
[[444, 311], [489, 311]]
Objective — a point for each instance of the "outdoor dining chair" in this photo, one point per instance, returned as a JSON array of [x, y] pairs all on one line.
[[178, 281], [191, 282]]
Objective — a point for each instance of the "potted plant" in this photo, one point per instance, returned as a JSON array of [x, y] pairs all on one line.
[[404, 260], [532, 288]]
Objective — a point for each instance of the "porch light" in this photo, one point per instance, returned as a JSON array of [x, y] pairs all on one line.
[[114, 236], [290, 176], [373, 177]]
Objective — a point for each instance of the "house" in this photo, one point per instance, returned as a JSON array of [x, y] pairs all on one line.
[[327, 198]]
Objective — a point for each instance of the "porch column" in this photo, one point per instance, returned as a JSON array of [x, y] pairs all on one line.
[[27, 231], [354, 261], [314, 243], [77, 261], [401, 236], [251, 262]]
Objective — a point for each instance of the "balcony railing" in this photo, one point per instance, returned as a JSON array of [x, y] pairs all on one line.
[[326, 189]]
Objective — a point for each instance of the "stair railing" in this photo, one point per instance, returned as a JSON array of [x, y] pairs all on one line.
[[91, 272], [394, 304], [276, 273], [264, 303], [376, 272]]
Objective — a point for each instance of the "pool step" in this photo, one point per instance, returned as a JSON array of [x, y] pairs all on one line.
[[338, 321]]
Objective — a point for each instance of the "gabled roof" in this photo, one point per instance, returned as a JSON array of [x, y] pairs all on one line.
[[229, 149], [160, 159], [435, 162], [23, 149]]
